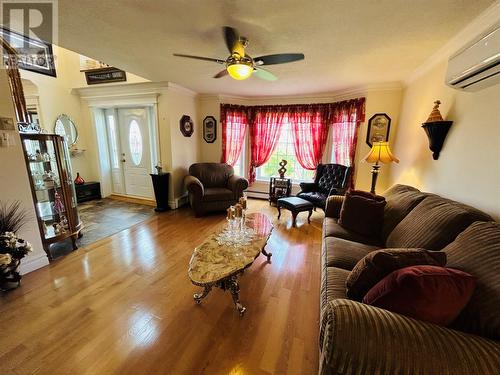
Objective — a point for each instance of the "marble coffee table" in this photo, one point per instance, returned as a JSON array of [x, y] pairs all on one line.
[[220, 265]]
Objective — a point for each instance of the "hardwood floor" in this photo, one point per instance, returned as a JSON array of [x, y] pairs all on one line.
[[124, 305]]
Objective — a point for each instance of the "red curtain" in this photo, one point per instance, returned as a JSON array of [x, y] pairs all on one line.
[[234, 120], [310, 131], [346, 118], [265, 129]]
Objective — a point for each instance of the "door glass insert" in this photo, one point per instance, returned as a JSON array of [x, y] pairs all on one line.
[[135, 142]]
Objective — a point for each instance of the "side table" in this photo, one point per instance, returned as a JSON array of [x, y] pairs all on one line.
[[279, 188]]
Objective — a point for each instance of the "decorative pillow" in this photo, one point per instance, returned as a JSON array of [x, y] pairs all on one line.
[[429, 293], [363, 213], [380, 263]]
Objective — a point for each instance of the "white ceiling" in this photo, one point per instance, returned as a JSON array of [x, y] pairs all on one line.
[[347, 43]]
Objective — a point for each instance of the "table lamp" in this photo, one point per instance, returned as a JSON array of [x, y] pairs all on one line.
[[380, 152]]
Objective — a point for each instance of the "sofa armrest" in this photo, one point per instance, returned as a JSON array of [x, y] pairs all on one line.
[[307, 187], [334, 205], [194, 186], [358, 338], [237, 185]]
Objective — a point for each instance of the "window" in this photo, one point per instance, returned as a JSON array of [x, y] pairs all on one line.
[[239, 166], [285, 150], [112, 140]]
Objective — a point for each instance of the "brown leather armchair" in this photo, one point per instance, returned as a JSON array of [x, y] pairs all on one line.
[[213, 187]]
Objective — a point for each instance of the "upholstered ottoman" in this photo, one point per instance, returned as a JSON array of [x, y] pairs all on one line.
[[295, 205]]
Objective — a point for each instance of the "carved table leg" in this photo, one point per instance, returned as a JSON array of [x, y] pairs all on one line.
[[199, 296], [268, 255], [234, 288], [294, 219], [309, 217], [279, 211]]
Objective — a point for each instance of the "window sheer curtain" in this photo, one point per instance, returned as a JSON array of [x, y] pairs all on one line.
[[346, 118], [310, 131], [265, 129], [234, 121], [310, 126]]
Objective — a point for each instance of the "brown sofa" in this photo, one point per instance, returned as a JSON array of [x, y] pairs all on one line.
[[360, 339], [213, 187]]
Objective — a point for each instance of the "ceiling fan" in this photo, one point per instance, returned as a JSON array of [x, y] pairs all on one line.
[[239, 65]]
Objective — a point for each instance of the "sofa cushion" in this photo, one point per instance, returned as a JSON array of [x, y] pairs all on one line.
[[378, 264], [434, 223], [218, 194], [331, 228], [477, 251], [344, 253], [401, 199], [332, 284], [428, 293], [362, 213]]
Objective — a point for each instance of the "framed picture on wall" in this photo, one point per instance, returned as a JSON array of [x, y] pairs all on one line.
[[379, 126], [209, 129], [33, 54]]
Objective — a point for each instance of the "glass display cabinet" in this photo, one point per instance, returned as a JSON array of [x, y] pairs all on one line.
[[49, 168]]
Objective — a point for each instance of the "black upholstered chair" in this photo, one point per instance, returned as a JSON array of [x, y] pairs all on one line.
[[331, 179]]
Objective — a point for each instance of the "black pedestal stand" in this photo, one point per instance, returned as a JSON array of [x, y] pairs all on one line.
[[160, 186]]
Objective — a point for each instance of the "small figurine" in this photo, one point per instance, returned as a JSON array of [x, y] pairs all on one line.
[[38, 156], [58, 229], [58, 204], [282, 170]]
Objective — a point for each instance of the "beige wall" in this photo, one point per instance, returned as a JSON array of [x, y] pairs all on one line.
[[183, 150], [384, 99], [14, 183], [467, 169]]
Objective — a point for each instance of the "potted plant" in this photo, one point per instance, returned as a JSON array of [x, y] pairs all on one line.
[[12, 248]]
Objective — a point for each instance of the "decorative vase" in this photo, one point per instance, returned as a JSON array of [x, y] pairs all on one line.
[[9, 276], [79, 180]]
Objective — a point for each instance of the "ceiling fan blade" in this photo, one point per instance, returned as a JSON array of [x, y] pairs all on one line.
[[231, 36], [280, 58], [218, 61], [233, 42], [221, 74], [264, 74]]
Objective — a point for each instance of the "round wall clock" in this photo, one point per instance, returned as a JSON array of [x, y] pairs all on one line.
[[187, 126]]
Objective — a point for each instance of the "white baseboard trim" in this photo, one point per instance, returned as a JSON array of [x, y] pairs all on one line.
[[257, 194], [30, 264], [178, 202]]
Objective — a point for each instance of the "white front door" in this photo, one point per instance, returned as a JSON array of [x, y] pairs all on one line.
[[135, 151]]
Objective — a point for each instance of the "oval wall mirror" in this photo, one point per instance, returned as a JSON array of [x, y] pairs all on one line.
[[65, 127]]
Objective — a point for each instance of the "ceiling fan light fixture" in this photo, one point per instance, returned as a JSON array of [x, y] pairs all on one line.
[[239, 71]]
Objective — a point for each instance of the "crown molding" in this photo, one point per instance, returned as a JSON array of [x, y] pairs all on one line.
[[181, 89], [485, 21], [310, 98]]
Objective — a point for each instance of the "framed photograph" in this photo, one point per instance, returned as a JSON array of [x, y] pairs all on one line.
[[379, 126], [105, 75], [34, 55], [209, 129], [187, 126]]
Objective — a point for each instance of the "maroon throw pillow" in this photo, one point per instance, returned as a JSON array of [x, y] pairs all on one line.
[[362, 213], [376, 265], [429, 293]]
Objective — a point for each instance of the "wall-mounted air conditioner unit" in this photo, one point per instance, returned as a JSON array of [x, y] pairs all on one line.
[[477, 65]]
